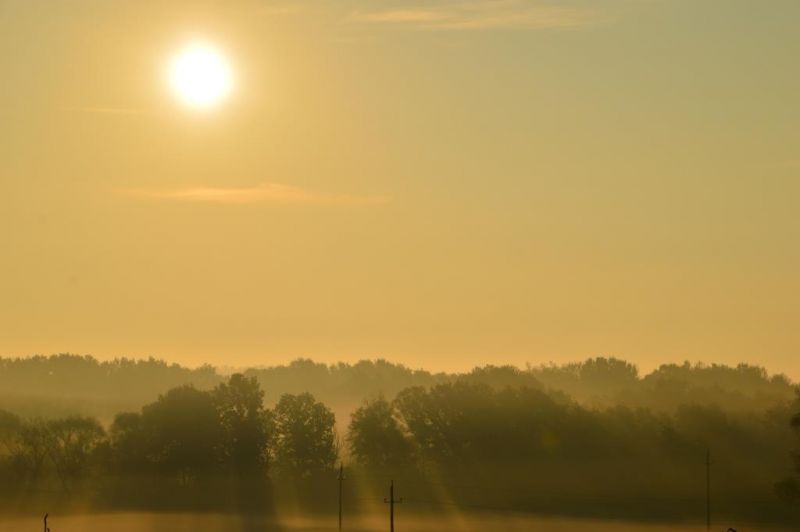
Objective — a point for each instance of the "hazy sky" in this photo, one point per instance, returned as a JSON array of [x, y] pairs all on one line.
[[439, 183]]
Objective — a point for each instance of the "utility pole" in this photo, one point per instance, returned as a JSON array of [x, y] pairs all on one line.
[[340, 478], [392, 501], [708, 489]]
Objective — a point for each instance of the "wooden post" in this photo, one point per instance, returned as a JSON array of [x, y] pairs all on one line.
[[341, 478], [392, 501], [708, 490]]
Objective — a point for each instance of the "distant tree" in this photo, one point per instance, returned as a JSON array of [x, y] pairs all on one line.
[[500, 377], [341, 385], [376, 438], [71, 444], [305, 442], [31, 452], [10, 426], [50, 386], [608, 373], [246, 424]]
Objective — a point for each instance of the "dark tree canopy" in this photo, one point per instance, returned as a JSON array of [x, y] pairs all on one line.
[[32, 450], [64, 385], [545, 439], [9, 428], [181, 433], [305, 441], [789, 488], [376, 438], [246, 424], [72, 443]]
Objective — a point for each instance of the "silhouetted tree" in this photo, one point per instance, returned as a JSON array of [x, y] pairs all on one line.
[[452, 423], [62, 385], [9, 440], [608, 373], [183, 433], [516, 431], [32, 450], [129, 443], [10, 425], [305, 442], [789, 488], [340, 386], [500, 377], [247, 426], [376, 438], [71, 444]]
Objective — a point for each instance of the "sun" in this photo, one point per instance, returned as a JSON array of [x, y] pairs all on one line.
[[200, 76]]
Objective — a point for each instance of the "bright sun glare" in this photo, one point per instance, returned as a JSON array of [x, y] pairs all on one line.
[[200, 76]]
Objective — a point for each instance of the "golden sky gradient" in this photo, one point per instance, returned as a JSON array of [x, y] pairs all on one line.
[[443, 184]]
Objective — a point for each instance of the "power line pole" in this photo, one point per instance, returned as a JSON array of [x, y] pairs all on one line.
[[341, 478], [392, 501], [708, 489]]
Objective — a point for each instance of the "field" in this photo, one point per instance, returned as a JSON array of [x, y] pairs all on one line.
[[153, 522]]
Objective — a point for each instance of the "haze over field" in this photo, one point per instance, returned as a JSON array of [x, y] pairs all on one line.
[[465, 264], [215, 523], [434, 183], [594, 441]]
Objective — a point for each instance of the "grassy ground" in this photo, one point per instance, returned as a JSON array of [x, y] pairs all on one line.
[[150, 522]]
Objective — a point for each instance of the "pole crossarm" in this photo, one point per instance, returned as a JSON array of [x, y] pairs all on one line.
[[340, 478], [391, 501]]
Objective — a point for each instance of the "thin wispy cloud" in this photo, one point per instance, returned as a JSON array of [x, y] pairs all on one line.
[[106, 110], [284, 9], [262, 193], [480, 14]]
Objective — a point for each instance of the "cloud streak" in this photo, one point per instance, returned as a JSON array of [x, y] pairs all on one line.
[[106, 110], [480, 14], [260, 194]]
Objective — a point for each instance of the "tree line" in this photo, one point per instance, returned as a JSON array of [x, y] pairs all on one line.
[[509, 446], [62, 385]]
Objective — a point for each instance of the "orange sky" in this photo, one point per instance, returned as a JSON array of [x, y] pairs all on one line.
[[442, 185]]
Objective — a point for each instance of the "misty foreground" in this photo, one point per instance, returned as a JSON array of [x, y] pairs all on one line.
[[594, 441], [139, 522]]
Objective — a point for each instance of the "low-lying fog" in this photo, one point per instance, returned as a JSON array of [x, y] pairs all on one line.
[[152, 522]]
